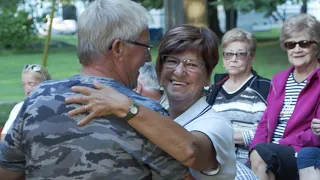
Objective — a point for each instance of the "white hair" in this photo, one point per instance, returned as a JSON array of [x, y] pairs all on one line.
[[148, 76], [301, 23], [105, 21]]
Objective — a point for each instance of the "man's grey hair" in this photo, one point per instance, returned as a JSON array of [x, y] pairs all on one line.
[[148, 76], [105, 21]]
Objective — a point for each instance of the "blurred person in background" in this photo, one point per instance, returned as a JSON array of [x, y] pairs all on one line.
[[148, 83], [32, 75], [292, 103]]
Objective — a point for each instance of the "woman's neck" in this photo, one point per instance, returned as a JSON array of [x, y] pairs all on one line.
[[176, 108], [302, 73], [235, 81]]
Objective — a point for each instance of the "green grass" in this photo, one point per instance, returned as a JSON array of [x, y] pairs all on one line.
[[5, 111], [68, 39], [273, 34], [270, 59]]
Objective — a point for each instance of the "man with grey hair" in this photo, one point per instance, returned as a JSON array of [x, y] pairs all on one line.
[[148, 84], [45, 142]]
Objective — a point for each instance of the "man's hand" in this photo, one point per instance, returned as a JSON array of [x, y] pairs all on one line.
[[315, 126]]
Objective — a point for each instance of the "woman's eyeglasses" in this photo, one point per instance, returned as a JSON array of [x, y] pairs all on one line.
[[189, 64], [302, 44], [239, 55], [35, 68]]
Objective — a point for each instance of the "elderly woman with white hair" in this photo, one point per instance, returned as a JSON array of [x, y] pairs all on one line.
[[293, 102], [240, 94]]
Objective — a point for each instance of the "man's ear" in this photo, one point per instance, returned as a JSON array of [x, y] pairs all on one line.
[[117, 48], [138, 88]]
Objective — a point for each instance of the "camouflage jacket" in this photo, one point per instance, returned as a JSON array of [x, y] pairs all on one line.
[[46, 143]]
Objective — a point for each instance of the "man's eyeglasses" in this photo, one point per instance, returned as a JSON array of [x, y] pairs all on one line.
[[302, 44], [35, 68], [239, 55], [143, 45], [189, 64]]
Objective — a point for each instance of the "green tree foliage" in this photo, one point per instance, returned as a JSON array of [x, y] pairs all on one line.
[[157, 4], [269, 7], [17, 27]]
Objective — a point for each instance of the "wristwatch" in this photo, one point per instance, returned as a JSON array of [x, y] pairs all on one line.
[[133, 110]]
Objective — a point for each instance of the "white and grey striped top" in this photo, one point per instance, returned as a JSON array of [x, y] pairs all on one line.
[[293, 89]]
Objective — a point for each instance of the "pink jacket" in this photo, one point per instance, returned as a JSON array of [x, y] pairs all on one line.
[[298, 132]]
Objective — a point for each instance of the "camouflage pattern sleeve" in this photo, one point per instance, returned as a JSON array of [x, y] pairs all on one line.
[[162, 164], [12, 156]]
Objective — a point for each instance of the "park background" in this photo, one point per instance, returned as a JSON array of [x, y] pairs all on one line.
[[25, 26]]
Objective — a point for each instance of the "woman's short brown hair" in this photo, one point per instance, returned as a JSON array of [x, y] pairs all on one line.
[[188, 37]]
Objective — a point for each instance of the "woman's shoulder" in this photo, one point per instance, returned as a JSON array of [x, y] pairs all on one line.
[[211, 120]]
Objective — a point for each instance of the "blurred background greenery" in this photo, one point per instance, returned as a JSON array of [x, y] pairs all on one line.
[[23, 35]]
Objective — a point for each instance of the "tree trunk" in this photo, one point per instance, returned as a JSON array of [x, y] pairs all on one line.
[[213, 20], [231, 19], [304, 7]]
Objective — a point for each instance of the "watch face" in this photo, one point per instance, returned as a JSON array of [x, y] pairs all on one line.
[[134, 110]]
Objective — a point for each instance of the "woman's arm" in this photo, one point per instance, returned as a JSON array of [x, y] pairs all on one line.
[[6, 174], [194, 149], [261, 134], [191, 149], [238, 137]]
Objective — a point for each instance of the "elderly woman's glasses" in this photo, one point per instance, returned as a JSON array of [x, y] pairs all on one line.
[[35, 68], [302, 44], [239, 55], [189, 64], [143, 45]]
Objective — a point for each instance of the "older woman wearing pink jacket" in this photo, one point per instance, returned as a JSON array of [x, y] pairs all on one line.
[[293, 101]]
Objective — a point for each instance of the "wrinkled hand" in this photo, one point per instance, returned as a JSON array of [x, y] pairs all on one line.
[[315, 126], [102, 101]]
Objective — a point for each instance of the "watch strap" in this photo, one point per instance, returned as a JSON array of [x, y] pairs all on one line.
[[133, 110]]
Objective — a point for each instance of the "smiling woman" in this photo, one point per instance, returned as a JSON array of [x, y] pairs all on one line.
[[285, 125]]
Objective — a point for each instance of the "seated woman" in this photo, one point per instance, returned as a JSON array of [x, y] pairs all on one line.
[[240, 95], [198, 137], [308, 160], [293, 102], [32, 75]]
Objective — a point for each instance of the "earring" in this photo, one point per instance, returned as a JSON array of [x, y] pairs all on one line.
[[206, 90]]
